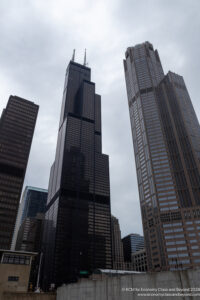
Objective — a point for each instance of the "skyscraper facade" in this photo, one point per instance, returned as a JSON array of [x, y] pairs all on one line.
[[77, 234], [131, 244], [33, 202], [29, 236], [117, 246], [17, 124], [166, 138]]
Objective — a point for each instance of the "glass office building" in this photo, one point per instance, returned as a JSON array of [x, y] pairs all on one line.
[[166, 138], [33, 201], [29, 236], [131, 244], [17, 124], [77, 234]]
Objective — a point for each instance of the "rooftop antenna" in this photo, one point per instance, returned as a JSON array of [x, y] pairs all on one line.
[[85, 64], [73, 55]]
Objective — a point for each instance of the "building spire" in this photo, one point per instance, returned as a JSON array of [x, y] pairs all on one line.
[[73, 55], [84, 63]]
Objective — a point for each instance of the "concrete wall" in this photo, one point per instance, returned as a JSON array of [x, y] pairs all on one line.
[[28, 296], [130, 286]]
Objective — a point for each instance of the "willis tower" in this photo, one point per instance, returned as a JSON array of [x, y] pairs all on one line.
[[77, 232]]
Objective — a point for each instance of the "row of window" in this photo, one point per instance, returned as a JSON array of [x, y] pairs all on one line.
[[16, 259], [168, 203], [178, 255], [172, 224], [191, 222], [173, 230], [167, 198], [175, 262], [175, 243], [168, 208], [176, 249]]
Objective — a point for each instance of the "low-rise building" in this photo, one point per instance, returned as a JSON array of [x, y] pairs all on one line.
[[15, 267], [139, 261]]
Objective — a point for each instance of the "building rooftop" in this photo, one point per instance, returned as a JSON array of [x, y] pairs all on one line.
[[110, 271], [18, 252]]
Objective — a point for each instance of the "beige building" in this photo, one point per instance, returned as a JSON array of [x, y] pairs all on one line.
[[117, 246], [15, 269], [139, 261]]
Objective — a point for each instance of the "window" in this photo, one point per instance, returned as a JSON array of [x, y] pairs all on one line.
[[178, 229], [181, 248], [196, 254], [172, 255], [183, 254], [173, 230], [172, 224], [16, 259], [190, 228], [163, 183], [13, 278], [168, 203], [180, 242], [169, 208], [170, 243], [185, 261], [168, 230], [195, 247], [171, 249], [174, 236]]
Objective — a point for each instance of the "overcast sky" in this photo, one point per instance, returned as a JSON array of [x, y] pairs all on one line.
[[37, 40]]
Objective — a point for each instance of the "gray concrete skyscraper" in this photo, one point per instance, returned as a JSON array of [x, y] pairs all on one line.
[[166, 138], [77, 234]]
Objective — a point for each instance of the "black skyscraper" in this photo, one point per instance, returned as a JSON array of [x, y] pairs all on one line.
[[17, 125], [77, 235]]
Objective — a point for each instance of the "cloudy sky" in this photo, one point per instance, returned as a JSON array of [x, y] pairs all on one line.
[[37, 40]]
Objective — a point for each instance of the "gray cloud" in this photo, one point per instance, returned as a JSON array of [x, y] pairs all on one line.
[[37, 39]]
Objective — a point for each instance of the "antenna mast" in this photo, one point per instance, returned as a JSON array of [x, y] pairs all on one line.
[[84, 63], [73, 55]]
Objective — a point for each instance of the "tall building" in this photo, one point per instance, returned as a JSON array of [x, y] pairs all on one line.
[[17, 124], [117, 246], [77, 234], [166, 139], [33, 201], [132, 243], [29, 236]]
